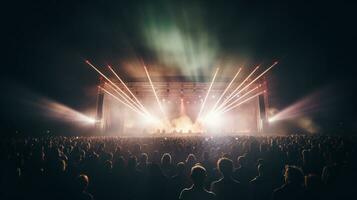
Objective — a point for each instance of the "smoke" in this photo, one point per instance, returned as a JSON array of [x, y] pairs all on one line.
[[308, 125]]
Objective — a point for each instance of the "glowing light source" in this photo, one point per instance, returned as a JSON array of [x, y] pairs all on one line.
[[272, 119], [150, 120], [213, 120], [90, 120]]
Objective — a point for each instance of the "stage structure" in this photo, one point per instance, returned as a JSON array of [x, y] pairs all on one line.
[[181, 101]]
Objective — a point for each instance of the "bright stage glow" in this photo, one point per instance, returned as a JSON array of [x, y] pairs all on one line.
[[91, 120], [184, 124], [270, 120], [213, 120], [175, 118], [150, 120]]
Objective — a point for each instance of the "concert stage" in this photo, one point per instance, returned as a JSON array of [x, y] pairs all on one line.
[[181, 101]]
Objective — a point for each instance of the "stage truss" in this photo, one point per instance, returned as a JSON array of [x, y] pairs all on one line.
[[181, 100]]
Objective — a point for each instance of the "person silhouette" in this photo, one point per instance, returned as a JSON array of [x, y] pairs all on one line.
[[82, 185], [227, 187], [179, 181], [261, 186], [197, 190], [166, 165], [293, 187], [243, 173]]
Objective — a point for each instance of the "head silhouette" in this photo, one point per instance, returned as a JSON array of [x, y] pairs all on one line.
[[198, 175], [262, 170], [191, 159], [108, 165], [225, 166], [143, 159], [166, 159], [242, 161], [180, 167], [82, 181], [294, 175], [132, 162]]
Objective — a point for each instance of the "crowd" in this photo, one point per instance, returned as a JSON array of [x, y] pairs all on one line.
[[227, 167]]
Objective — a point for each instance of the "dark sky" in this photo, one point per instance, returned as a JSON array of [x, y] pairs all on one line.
[[46, 41]]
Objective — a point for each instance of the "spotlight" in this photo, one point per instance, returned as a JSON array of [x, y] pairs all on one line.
[[213, 120], [271, 120], [151, 120], [90, 120]]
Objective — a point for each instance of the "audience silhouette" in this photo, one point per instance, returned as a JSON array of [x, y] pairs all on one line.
[[227, 187], [111, 168], [197, 190]]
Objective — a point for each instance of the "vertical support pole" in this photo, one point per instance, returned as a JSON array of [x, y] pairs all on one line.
[[100, 103]]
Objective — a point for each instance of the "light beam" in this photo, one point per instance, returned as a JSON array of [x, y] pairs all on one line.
[[230, 96], [246, 100], [241, 97], [121, 101], [118, 88], [207, 94], [127, 88], [275, 63], [125, 99], [264, 72], [225, 90], [157, 98]]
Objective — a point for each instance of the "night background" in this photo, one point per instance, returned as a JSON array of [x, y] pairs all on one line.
[[45, 44]]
